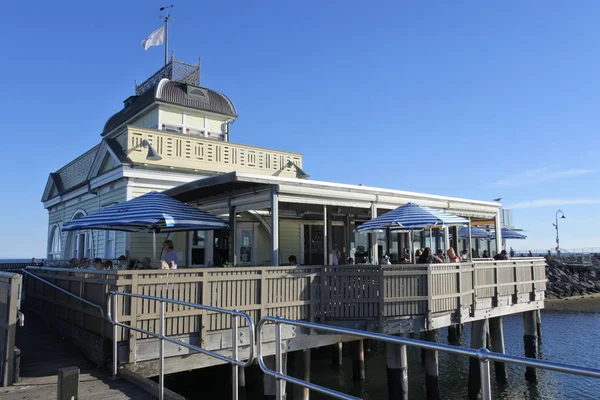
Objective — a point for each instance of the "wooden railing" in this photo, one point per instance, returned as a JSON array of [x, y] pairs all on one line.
[[314, 293], [200, 154], [10, 299]]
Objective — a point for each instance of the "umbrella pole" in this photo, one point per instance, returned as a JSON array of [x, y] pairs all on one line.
[[469, 249], [412, 246], [431, 239]]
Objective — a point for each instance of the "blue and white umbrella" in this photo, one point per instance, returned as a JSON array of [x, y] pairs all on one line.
[[476, 233], [412, 216], [509, 234], [153, 212]]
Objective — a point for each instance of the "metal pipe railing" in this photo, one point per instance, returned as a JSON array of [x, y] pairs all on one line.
[[89, 303], [483, 355], [112, 312]]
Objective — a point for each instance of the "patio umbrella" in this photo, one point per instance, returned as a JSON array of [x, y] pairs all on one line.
[[476, 233], [509, 234], [153, 212], [412, 217]]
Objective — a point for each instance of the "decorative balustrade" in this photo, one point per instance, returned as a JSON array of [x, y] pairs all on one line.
[[202, 154]]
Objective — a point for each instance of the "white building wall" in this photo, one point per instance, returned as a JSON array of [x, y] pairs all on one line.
[[191, 119], [148, 120]]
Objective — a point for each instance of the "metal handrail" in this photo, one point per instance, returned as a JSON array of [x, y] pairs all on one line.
[[483, 355], [112, 318], [89, 303]]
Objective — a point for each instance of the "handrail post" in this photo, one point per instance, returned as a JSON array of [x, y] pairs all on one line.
[[234, 354], [161, 352], [112, 302], [484, 373], [278, 362]]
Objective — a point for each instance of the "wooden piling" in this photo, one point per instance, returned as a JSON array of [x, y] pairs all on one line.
[[478, 338], [306, 391], [397, 371], [453, 337], [68, 383], [497, 337], [432, 380], [337, 355], [269, 383], [358, 361], [539, 325], [530, 342]]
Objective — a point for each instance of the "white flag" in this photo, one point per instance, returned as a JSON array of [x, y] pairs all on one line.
[[156, 38]]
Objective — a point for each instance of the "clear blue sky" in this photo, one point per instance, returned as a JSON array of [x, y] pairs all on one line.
[[456, 98]]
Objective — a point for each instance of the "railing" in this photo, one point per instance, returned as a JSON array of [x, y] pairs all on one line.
[[10, 299], [175, 70], [483, 355], [81, 299], [199, 154], [233, 360]]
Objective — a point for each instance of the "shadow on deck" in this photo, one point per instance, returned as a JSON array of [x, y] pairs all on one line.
[[43, 352]]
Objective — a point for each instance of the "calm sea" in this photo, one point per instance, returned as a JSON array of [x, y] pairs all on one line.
[[569, 337]]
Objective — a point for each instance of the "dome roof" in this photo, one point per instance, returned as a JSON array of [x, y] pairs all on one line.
[[176, 93]]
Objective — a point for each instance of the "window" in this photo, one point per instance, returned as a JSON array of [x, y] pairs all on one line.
[[198, 247], [109, 247], [54, 250]]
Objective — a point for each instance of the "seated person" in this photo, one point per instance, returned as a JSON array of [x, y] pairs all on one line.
[[293, 260], [108, 264], [122, 262], [146, 263], [98, 264], [501, 256]]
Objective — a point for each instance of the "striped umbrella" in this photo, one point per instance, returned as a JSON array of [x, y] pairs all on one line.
[[509, 234], [412, 216], [476, 233], [154, 212]]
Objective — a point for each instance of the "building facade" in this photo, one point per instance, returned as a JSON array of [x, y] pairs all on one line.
[[171, 133]]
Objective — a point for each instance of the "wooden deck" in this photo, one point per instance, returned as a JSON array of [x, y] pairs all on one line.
[[390, 299], [43, 352]]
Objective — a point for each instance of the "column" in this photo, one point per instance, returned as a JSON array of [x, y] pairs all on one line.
[[269, 381], [453, 336], [374, 255], [432, 383], [497, 337], [530, 342], [478, 336], [337, 354], [539, 325], [274, 226], [498, 226], [325, 237], [358, 360], [397, 371], [232, 234]]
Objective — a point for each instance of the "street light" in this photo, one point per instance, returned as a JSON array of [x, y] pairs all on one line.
[[556, 227]]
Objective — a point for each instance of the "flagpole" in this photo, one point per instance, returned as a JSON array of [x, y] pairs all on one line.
[[166, 9]]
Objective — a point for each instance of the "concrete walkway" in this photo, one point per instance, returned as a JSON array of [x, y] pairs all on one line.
[[43, 352]]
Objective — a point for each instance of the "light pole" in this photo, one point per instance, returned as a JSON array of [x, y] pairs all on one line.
[[556, 227]]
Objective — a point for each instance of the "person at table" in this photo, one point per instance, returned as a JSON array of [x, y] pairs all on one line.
[[439, 256], [485, 254], [292, 260], [426, 257], [146, 263], [452, 257], [501, 256], [97, 264], [169, 255], [108, 264], [122, 262]]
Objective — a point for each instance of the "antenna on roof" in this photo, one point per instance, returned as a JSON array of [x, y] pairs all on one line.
[[167, 19]]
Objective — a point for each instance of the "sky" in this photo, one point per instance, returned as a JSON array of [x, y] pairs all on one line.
[[469, 99]]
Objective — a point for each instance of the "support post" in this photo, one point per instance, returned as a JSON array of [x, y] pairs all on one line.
[[432, 383], [530, 342], [539, 325], [498, 227], [232, 234], [161, 352], [274, 226], [306, 391], [358, 361], [397, 371], [270, 383], [68, 383], [337, 354], [453, 335], [477, 342], [375, 259], [497, 336], [325, 237]]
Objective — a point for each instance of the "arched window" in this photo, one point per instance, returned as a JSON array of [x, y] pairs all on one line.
[[54, 244], [80, 241]]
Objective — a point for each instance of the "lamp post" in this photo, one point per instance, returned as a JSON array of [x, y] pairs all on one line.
[[556, 227]]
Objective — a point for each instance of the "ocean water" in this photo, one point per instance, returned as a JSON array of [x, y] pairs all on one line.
[[568, 337]]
